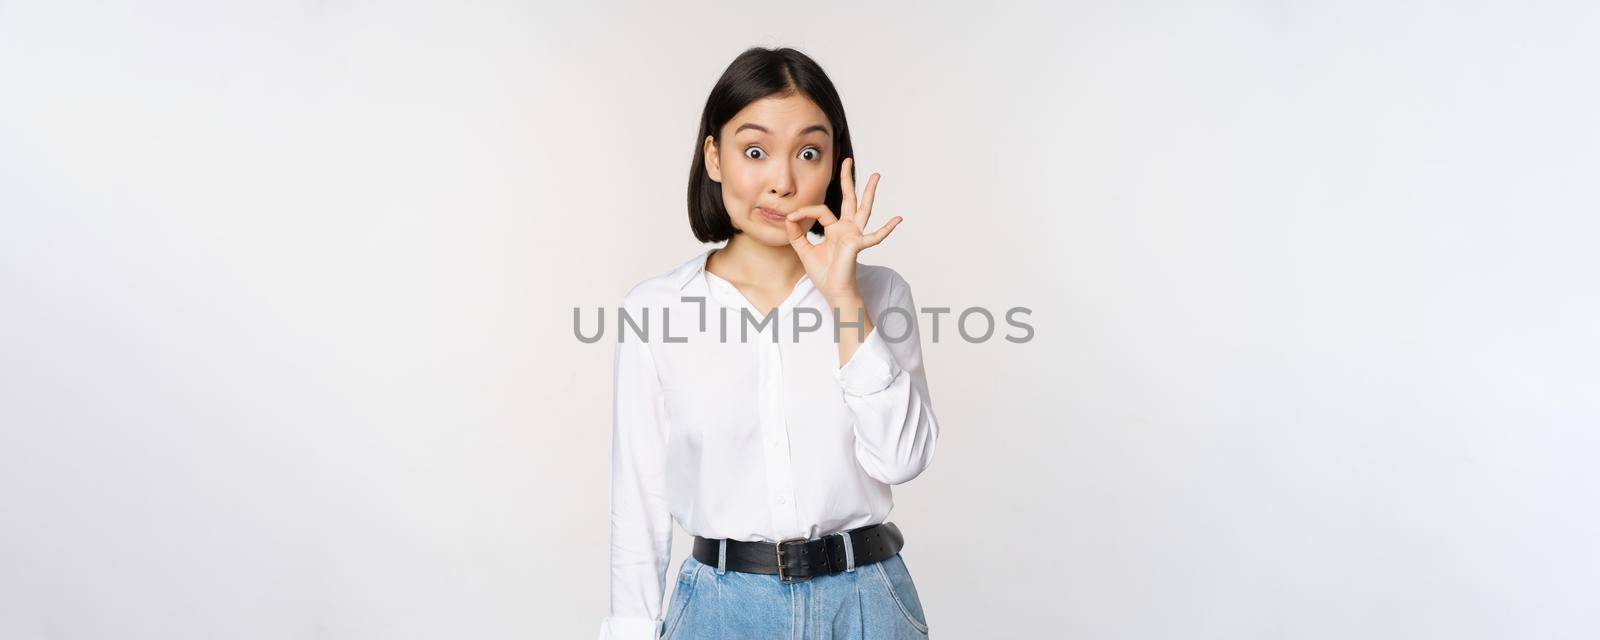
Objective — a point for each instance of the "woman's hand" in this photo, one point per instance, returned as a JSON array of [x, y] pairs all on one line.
[[832, 264]]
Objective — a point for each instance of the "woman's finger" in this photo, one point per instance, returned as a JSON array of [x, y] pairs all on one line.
[[797, 238], [872, 239], [796, 232], [864, 210], [847, 184], [819, 212]]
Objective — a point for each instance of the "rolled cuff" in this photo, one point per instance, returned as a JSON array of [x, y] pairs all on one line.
[[872, 368]]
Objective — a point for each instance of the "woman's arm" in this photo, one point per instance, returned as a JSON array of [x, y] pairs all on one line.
[[886, 389], [641, 524]]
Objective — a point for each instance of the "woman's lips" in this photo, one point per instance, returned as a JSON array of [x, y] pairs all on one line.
[[771, 215]]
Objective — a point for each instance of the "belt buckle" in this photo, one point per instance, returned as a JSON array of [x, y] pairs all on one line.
[[779, 547]]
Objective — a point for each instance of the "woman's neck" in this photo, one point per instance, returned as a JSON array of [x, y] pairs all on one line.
[[748, 261]]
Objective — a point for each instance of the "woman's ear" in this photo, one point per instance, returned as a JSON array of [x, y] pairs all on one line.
[[713, 163]]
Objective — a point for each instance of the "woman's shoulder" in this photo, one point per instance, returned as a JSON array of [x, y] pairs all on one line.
[[666, 286]]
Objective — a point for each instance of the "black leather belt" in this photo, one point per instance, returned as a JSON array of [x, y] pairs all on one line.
[[799, 559]]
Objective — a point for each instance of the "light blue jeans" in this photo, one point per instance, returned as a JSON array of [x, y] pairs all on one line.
[[872, 602]]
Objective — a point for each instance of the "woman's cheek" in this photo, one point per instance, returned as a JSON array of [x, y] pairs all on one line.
[[746, 192]]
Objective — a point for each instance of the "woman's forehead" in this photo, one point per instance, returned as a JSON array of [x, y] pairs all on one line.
[[790, 115]]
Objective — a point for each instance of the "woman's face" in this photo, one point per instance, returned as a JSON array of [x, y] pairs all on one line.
[[776, 155]]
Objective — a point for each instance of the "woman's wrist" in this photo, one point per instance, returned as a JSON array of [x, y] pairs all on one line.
[[845, 301], [850, 311]]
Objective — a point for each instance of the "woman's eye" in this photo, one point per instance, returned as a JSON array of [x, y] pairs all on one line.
[[755, 149], [813, 151]]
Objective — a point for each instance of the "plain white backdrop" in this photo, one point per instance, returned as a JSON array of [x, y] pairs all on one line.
[[286, 295]]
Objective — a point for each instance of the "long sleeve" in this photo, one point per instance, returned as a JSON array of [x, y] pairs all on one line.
[[887, 391], [641, 524]]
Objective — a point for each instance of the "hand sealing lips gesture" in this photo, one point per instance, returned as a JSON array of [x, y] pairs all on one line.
[[832, 264]]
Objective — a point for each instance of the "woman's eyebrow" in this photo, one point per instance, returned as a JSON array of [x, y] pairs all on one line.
[[757, 127]]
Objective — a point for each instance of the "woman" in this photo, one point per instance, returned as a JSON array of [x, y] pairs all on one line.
[[748, 440]]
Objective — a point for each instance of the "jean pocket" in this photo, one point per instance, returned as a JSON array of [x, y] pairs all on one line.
[[688, 577], [897, 580]]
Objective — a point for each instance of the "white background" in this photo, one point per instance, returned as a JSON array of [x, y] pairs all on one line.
[[286, 298]]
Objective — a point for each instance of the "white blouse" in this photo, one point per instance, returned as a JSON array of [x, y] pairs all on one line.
[[755, 440]]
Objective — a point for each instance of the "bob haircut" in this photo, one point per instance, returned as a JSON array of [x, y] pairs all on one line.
[[759, 73]]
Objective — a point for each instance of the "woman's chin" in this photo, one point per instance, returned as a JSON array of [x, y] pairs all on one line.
[[769, 234]]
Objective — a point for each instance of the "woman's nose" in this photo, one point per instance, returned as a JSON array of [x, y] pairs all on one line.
[[783, 181]]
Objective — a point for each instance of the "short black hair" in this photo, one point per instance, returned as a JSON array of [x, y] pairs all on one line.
[[759, 73]]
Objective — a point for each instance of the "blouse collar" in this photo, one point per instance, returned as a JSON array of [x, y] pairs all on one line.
[[694, 272], [693, 268]]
